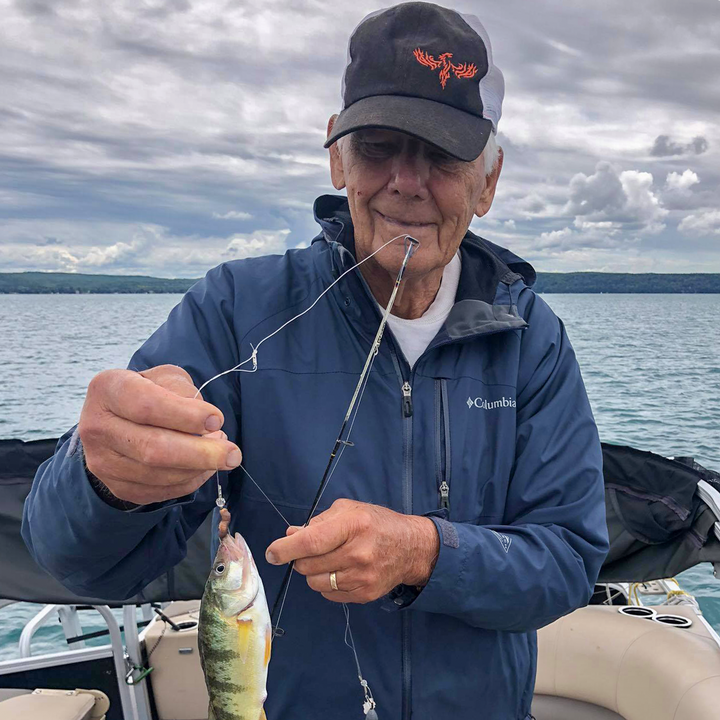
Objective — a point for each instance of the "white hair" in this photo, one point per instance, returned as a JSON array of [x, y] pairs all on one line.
[[490, 154]]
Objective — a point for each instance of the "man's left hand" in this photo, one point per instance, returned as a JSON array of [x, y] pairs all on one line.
[[369, 548]]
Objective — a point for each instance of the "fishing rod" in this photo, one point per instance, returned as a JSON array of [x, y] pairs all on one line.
[[340, 443]]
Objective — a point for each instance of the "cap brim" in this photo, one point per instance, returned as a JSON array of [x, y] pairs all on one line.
[[457, 132]]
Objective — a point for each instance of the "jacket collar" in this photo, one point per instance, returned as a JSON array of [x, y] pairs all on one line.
[[483, 304], [484, 263]]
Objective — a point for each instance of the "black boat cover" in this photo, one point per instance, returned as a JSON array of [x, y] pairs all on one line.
[[657, 523], [22, 579]]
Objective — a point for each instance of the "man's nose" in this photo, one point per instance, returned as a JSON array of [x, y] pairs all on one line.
[[409, 174]]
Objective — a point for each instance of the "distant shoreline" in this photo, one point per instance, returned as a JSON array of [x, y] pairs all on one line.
[[33, 283]]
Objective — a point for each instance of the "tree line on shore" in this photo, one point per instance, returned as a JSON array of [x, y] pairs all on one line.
[[582, 282]]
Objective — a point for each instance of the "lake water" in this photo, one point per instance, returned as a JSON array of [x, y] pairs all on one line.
[[650, 362]]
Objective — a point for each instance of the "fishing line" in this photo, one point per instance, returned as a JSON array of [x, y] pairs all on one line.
[[255, 348], [369, 704], [275, 507]]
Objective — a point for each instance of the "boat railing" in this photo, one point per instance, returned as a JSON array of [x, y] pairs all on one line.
[[127, 655], [711, 497]]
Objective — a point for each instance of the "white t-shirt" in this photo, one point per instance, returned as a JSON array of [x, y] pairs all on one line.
[[413, 336]]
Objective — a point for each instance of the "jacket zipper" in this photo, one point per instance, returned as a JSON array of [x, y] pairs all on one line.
[[445, 454], [407, 400], [443, 487], [406, 620], [445, 496]]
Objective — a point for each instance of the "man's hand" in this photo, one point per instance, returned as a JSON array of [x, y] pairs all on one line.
[[369, 548], [147, 439]]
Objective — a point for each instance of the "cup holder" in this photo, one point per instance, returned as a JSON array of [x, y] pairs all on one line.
[[186, 625], [638, 611], [677, 621]]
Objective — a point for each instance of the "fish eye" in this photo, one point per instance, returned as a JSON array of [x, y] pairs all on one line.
[[219, 569]]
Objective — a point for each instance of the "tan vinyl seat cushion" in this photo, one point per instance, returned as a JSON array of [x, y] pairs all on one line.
[[7, 693], [636, 668], [45, 706], [548, 707]]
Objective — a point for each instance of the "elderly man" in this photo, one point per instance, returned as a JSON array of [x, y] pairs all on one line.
[[470, 510]]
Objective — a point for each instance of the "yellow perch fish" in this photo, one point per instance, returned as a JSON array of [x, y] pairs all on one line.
[[234, 632]]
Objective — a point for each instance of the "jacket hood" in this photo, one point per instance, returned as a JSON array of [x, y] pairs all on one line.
[[332, 212]]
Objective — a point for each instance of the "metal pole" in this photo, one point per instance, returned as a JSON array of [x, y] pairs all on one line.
[[146, 612], [127, 701], [71, 623], [29, 630], [132, 645]]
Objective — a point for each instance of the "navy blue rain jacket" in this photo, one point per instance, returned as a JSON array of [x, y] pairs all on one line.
[[497, 411]]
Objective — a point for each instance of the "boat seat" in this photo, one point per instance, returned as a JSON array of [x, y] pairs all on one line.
[[634, 668], [549, 707], [7, 693], [53, 705]]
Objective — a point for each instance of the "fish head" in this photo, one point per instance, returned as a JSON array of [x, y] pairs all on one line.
[[234, 578]]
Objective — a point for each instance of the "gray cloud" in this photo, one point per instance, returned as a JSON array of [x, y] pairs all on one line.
[[699, 145], [34, 8], [199, 120], [626, 198], [664, 146], [601, 193]]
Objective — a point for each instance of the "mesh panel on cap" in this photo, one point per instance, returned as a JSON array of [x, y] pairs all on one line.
[[492, 86]]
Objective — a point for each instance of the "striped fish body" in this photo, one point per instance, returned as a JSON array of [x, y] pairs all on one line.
[[234, 634]]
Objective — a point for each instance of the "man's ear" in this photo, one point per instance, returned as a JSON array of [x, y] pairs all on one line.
[[488, 194], [336, 167]]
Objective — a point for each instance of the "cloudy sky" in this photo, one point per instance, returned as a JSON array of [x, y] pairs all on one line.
[[165, 136]]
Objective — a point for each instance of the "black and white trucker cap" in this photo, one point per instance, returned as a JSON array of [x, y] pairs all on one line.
[[424, 70]]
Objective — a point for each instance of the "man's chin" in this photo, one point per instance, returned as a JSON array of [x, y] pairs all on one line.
[[390, 258]]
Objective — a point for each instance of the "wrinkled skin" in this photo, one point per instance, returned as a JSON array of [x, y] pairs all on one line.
[[394, 180], [371, 550], [148, 439]]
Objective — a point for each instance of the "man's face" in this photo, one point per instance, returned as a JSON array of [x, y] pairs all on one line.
[[397, 184]]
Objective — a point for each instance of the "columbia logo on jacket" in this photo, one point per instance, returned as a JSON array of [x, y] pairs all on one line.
[[483, 404]]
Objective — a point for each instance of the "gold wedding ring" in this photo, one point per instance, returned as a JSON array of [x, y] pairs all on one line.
[[333, 581]]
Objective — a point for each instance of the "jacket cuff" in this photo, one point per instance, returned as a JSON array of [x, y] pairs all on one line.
[[445, 581], [103, 491], [100, 493], [403, 596]]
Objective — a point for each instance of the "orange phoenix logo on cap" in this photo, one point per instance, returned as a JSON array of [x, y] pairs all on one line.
[[463, 70]]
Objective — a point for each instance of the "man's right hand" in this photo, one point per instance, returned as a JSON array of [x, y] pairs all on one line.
[[145, 437]]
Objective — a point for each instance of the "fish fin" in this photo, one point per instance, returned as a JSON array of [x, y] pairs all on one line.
[[263, 716], [245, 636], [268, 646]]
